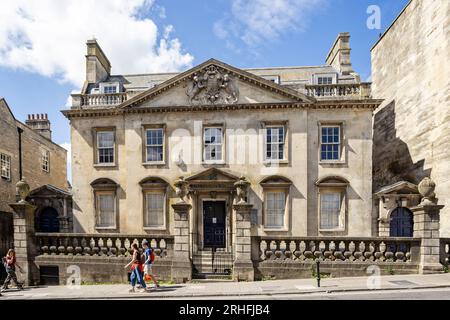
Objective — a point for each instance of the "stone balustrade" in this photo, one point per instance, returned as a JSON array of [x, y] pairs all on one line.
[[108, 245], [398, 250], [344, 91], [100, 99]]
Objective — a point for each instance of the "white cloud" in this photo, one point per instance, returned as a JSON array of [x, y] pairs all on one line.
[[68, 147], [48, 37], [259, 21]]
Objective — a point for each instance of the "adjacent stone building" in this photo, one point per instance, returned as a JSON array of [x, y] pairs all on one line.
[[27, 152], [410, 71]]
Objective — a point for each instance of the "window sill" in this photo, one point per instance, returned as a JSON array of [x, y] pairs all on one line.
[[155, 228], [104, 165], [154, 163], [106, 228], [214, 162], [269, 162], [275, 229], [332, 162], [340, 229]]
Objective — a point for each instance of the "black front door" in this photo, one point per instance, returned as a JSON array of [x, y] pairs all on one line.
[[214, 224], [401, 223]]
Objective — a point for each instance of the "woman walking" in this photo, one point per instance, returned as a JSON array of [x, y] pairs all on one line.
[[136, 269], [10, 265]]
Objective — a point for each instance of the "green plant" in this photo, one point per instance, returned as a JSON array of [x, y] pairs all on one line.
[[390, 270], [445, 268]]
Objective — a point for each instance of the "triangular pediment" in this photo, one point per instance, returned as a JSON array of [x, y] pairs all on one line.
[[401, 187], [213, 174], [48, 190], [215, 83]]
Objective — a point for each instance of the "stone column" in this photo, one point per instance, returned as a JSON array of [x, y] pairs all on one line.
[[243, 269], [24, 242], [243, 266], [181, 262], [426, 226]]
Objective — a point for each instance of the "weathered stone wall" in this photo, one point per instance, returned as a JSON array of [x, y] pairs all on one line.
[[243, 131], [410, 68], [32, 142]]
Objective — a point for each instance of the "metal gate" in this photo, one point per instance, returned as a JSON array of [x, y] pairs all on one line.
[[6, 238], [221, 262]]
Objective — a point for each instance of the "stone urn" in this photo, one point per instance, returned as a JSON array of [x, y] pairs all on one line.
[[241, 189], [181, 188], [23, 190], [426, 189]]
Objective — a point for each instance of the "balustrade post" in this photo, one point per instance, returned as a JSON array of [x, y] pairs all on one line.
[[24, 240], [426, 226], [243, 265], [181, 262]]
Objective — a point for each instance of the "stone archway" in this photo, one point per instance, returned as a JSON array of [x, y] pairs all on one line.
[[47, 220]]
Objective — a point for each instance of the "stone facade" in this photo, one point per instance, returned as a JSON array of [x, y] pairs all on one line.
[[410, 68], [243, 103]]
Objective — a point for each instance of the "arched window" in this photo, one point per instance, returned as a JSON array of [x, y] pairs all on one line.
[[402, 223], [154, 192], [276, 202], [105, 203], [332, 194]]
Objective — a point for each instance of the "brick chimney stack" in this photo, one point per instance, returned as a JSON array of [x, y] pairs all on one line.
[[98, 67], [40, 124]]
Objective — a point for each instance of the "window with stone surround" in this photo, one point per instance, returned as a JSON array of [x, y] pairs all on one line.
[[106, 209], [332, 195], [154, 145], [276, 202], [105, 146], [154, 192], [213, 144], [105, 203], [5, 166], [45, 160], [330, 138], [275, 140]]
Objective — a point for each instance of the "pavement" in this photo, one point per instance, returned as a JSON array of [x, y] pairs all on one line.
[[232, 290]]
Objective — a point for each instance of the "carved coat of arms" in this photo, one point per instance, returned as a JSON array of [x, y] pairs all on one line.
[[212, 87]]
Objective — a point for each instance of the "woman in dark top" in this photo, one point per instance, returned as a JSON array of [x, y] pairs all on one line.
[[137, 274]]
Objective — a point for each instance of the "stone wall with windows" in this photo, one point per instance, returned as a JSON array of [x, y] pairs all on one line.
[[410, 68], [34, 170], [244, 152]]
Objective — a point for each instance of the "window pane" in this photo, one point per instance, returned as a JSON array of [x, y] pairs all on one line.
[[275, 209], [213, 143], [330, 207], [330, 142], [275, 143], [105, 139], [106, 210], [154, 215], [5, 166]]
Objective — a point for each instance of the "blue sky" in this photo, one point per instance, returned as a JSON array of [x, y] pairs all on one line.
[[42, 43]]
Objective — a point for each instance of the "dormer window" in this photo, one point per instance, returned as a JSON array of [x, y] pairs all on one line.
[[324, 78], [275, 79], [110, 89]]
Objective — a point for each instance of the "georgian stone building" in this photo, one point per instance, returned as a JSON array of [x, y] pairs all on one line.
[[410, 68], [301, 136]]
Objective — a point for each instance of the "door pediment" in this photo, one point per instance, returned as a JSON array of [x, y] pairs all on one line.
[[212, 179]]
